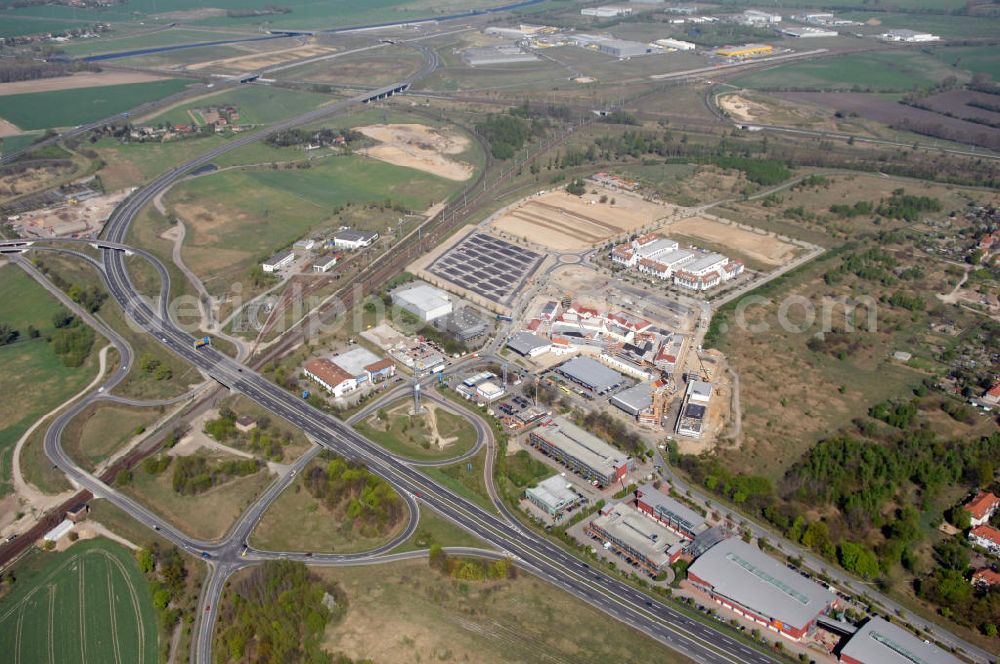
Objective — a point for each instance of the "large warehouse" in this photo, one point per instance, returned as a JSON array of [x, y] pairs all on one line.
[[590, 374], [582, 451], [423, 301], [741, 577], [881, 642]]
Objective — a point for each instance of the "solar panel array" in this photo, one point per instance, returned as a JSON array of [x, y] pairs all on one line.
[[487, 266]]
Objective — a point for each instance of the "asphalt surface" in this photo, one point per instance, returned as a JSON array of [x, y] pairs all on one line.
[[695, 639]]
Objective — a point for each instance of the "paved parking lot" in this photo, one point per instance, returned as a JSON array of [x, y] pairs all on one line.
[[487, 266]]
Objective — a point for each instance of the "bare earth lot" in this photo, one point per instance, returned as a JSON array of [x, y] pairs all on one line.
[[761, 248], [421, 147], [253, 61], [83, 80], [564, 222]]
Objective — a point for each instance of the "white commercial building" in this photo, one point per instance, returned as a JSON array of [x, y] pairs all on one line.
[[755, 17], [325, 264], [59, 531], [909, 36], [808, 33], [423, 301], [278, 261], [675, 44], [304, 245], [606, 12], [349, 238]]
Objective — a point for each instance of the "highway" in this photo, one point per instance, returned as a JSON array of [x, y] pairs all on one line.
[[700, 641], [695, 639]]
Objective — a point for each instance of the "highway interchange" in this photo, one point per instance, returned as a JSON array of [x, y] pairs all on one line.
[[700, 641]]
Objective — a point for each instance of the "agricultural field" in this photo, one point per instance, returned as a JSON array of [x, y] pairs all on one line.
[[43, 110], [975, 59], [898, 71], [103, 429], [89, 603], [902, 117], [405, 612], [28, 304], [438, 434], [133, 42], [237, 217], [948, 27]]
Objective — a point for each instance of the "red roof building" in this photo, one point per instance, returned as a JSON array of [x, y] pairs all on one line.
[[986, 537], [985, 578], [982, 507]]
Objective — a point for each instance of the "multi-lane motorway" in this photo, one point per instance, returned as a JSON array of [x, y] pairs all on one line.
[[697, 640], [693, 638]]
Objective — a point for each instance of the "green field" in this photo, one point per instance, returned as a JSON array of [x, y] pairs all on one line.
[[131, 164], [947, 27], [15, 27], [66, 108], [256, 105], [102, 429], [236, 217], [134, 42], [975, 59], [87, 604], [895, 71], [26, 303]]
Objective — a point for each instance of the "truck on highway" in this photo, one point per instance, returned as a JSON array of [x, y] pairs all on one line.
[[204, 341]]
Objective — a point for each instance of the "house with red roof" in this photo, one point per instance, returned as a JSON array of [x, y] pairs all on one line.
[[987, 537], [992, 395], [985, 578], [983, 506]]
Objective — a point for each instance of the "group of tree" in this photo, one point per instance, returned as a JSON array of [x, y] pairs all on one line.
[[196, 473], [278, 612], [506, 133], [71, 340], [15, 69], [165, 569], [908, 207], [350, 488], [470, 569], [872, 264], [610, 428], [154, 367], [859, 209], [323, 137], [8, 334]]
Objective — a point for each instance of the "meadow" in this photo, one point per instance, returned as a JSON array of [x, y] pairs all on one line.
[[239, 216], [28, 304], [975, 59], [87, 604], [256, 105], [406, 612], [67, 108], [885, 71]]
